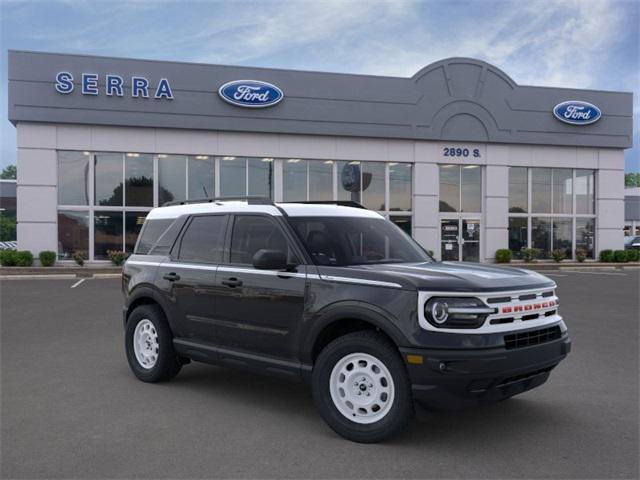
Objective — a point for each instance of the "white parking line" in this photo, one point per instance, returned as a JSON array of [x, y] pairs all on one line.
[[554, 275], [78, 283], [597, 273]]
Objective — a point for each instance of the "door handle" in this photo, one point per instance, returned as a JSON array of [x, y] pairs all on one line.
[[232, 282], [172, 277]]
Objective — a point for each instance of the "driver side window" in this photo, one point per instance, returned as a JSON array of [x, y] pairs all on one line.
[[251, 233]]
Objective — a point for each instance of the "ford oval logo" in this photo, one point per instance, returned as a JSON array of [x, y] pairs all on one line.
[[576, 112], [250, 93]]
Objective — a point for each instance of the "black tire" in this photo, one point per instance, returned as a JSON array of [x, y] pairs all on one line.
[[378, 346], [167, 364]]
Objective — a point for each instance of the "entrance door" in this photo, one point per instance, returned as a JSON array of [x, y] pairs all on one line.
[[460, 239]]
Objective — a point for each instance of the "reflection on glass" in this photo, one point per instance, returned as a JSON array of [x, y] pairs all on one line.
[[294, 180], [108, 179], [562, 228], [108, 233], [73, 233], [73, 178], [373, 185], [562, 190], [138, 169], [585, 235], [518, 190], [233, 176], [349, 179], [517, 236], [585, 191], [201, 179], [260, 176], [400, 186], [320, 180], [541, 235], [404, 222], [471, 188], [133, 222], [449, 188], [541, 190], [172, 178]]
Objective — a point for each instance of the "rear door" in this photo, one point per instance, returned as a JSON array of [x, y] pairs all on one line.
[[189, 276], [257, 310]]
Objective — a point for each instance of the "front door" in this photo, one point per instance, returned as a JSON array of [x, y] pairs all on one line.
[[258, 310], [460, 239]]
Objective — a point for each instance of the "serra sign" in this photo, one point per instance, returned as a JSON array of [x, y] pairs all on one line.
[[113, 85]]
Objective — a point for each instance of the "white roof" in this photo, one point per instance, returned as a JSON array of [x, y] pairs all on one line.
[[292, 209]]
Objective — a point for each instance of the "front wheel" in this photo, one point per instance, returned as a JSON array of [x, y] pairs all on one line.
[[149, 345], [361, 387]]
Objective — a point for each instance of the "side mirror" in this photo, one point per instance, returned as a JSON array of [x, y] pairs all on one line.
[[270, 260]]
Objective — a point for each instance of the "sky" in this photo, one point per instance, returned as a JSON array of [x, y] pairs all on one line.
[[562, 43]]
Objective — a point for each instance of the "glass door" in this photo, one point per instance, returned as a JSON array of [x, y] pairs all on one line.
[[449, 239], [460, 239], [470, 240]]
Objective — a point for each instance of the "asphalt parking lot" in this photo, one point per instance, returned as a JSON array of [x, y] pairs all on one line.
[[72, 409]]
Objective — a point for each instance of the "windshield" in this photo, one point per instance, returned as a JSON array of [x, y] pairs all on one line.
[[630, 240], [343, 241]]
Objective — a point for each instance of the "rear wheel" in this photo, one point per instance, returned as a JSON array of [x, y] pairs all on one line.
[[149, 345], [361, 387]]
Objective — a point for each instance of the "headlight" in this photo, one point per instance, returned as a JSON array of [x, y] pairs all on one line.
[[454, 312]]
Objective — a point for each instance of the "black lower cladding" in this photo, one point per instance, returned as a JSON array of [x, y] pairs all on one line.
[[451, 379]]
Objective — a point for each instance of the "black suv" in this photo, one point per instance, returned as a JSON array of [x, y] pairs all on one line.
[[337, 296]]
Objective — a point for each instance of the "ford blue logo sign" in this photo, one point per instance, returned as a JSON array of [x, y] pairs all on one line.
[[576, 112], [250, 93]]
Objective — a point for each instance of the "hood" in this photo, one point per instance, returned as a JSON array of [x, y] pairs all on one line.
[[447, 276]]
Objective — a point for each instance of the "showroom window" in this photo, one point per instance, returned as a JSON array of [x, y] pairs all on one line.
[[460, 188], [551, 209], [104, 197]]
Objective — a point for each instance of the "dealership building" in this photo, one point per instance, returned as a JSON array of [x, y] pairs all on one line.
[[458, 155]]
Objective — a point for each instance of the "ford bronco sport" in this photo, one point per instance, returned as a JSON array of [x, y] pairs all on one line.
[[337, 296]]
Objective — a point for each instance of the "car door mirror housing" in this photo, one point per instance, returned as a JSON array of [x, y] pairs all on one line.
[[270, 260]]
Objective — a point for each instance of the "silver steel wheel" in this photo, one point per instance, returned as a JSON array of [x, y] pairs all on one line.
[[145, 344], [362, 388]]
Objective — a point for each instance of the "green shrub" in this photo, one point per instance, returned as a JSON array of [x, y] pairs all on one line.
[[117, 257], [47, 258], [620, 256], [80, 256], [581, 254], [558, 255], [606, 256], [529, 254], [24, 258], [8, 258], [503, 255], [633, 255], [430, 252]]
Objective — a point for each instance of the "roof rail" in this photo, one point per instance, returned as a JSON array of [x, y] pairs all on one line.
[[251, 200], [342, 203]]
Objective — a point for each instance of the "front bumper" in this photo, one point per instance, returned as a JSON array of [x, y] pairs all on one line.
[[451, 379]]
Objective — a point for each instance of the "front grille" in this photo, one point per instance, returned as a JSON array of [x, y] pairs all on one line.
[[532, 337]]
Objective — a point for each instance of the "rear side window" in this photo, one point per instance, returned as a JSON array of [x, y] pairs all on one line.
[[252, 233], [152, 231], [203, 239]]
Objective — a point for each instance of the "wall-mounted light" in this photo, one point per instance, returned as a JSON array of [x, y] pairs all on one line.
[[471, 166], [354, 163], [293, 160], [134, 155], [202, 157], [228, 158], [86, 153], [162, 155], [328, 162], [393, 164], [267, 160]]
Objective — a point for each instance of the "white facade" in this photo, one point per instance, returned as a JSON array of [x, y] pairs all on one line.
[[37, 181]]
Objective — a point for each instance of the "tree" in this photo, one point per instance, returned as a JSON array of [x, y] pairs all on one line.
[[9, 172], [632, 180]]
